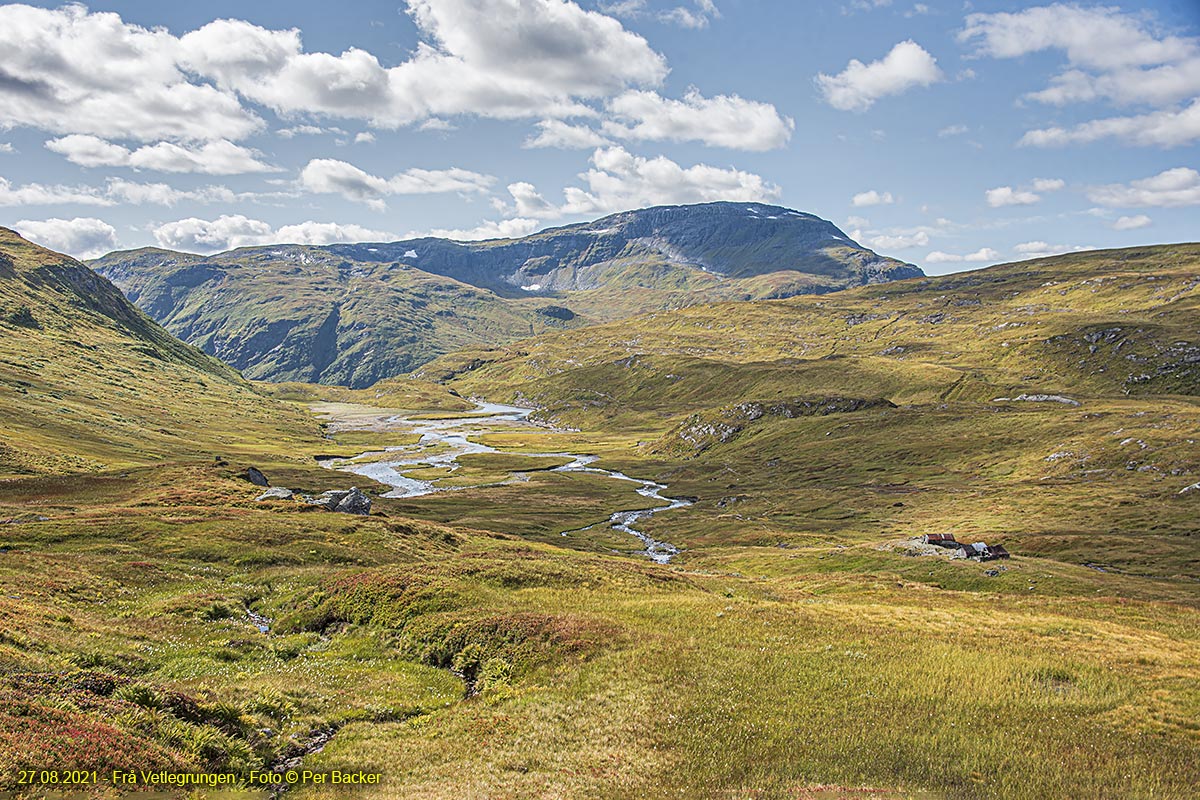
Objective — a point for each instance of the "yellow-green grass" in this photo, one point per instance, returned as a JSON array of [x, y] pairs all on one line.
[[87, 381]]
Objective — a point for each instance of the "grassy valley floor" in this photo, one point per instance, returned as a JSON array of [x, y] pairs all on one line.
[[461, 647]]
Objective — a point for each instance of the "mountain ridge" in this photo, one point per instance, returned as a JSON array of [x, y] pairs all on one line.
[[356, 313]]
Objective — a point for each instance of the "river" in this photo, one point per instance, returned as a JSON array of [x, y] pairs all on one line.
[[443, 441]]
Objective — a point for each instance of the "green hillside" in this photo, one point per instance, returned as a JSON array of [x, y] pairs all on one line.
[[88, 381]]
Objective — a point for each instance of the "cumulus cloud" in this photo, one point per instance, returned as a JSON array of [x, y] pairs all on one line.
[[119, 191], [1168, 189], [40, 194], [872, 198], [1042, 249], [496, 58], [231, 231], [901, 241], [1131, 223], [952, 130], [330, 176], [220, 157], [82, 237], [132, 86], [696, 17], [859, 85], [1008, 196], [724, 120], [5, 147], [501, 229], [1168, 128], [619, 181], [1111, 56], [564, 136], [982, 254], [1048, 184]]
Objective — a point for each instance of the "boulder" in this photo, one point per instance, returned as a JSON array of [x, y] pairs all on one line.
[[328, 499], [256, 477], [276, 493], [355, 502]]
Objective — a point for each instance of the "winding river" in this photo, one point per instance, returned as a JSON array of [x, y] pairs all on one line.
[[443, 441]]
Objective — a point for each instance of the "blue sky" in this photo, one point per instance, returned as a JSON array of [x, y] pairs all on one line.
[[950, 135]]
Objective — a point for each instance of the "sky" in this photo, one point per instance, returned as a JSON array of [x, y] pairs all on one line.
[[950, 135]]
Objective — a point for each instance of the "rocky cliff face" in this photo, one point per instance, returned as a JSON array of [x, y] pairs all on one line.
[[354, 313]]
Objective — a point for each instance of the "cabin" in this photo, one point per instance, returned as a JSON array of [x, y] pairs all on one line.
[[940, 539], [996, 551]]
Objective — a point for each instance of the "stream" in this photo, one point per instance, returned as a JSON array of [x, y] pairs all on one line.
[[444, 440]]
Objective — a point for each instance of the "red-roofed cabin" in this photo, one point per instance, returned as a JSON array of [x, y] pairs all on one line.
[[940, 539]]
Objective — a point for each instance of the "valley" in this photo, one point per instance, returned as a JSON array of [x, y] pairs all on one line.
[[798, 642]]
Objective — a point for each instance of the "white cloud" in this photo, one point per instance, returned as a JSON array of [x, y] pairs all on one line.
[[1111, 56], [952, 130], [231, 231], [619, 181], [1042, 249], [724, 120], [859, 85], [39, 194], [5, 147], [330, 176], [556, 133], [364, 137], [872, 198], [219, 157], [1008, 196], [68, 70], [982, 254], [118, 190], [694, 18], [307, 130], [1048, 184], [897, 241], [503, 229], [857, 222], [1168, 128], [435, 124], [1168, 189], [495, 58], [529, 203], [1131, 223], [81, 237]]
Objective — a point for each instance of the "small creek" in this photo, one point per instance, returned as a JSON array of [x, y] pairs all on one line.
[[444, 441]]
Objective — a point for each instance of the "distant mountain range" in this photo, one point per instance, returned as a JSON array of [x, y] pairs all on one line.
[[352, 314]]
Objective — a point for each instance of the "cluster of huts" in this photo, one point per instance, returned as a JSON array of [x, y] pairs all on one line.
[[978, 550]]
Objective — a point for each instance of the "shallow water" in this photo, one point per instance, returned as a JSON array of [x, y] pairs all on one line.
[[444, 441]]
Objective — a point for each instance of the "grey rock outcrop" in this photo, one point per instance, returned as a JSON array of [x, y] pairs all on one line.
[[276, 493]]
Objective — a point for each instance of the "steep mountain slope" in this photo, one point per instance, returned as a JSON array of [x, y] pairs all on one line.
[[353, 314], [86, 379]]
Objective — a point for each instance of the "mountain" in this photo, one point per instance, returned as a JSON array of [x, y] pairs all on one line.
[[355, 313], [88, 380]]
